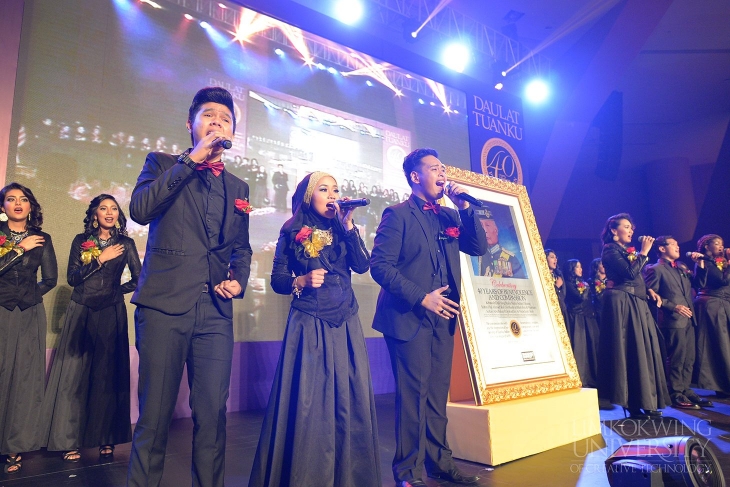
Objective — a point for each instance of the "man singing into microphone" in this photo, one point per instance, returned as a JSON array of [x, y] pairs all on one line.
[[416, 262], [198, 258]]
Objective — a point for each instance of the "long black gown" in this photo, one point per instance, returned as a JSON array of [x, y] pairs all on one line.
[[630, 359], [583, 330], [598, 294], [712, 305], [23, 342], [320, 426], [87, 398]]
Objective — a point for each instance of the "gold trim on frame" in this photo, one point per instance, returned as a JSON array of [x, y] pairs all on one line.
[[491, 393]]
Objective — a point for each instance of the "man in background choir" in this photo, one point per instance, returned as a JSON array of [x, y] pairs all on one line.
[[676, 318]]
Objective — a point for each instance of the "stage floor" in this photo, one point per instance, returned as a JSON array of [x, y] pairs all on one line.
[[579, 463]]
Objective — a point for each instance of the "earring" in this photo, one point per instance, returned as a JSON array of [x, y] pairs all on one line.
[[28, 216], [3, 216], [615, 238], [95, 224], [117, 225]]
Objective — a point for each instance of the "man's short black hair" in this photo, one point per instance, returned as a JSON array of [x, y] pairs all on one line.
[[214, 94], [412, 161], [662, 241]]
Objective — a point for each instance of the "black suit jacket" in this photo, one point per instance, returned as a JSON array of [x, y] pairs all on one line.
[[179, 261], [674, 288], [404, 262]]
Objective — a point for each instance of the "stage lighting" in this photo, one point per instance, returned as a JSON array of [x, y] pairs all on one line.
[[222, 5], [188, 16], [433, 104], [332, 70], [498, 85], [205, 25], [410, 28], [537, 91], [670, 461], [348, 11], [279, 52], [420, 100], [369, 83], [456, 56]]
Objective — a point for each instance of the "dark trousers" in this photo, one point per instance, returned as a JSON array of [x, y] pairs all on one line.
[[422, 369], [202, 338], [680, 343]]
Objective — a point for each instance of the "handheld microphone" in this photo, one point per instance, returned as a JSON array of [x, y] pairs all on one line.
[[466, 197], [225, 143], [704, 257], [345, 204]]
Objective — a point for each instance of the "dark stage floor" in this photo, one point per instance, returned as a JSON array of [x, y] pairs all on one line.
[[580, 463]]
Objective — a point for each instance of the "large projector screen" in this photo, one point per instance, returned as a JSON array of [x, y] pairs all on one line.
[[103, 82]]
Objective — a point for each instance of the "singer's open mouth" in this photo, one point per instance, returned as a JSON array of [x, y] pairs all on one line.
[[440, 183]]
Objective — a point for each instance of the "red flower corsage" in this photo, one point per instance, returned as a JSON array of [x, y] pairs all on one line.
[[452, 232], [303, 234], [243, 206], [720, 263], [3, 239], [599, 286], [88, 245], [632, 253], [581, 287]]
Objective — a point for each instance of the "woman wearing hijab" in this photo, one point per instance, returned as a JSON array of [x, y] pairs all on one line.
[[320, 427]]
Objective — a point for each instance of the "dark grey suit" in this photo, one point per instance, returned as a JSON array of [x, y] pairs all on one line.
[[675, 289], [405, 263], [179, 320]]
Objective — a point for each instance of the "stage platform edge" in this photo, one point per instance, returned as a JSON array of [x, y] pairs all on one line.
[[498, 433]]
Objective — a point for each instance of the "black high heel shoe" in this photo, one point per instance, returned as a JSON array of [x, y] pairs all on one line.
[[653, 413], [637, 413]]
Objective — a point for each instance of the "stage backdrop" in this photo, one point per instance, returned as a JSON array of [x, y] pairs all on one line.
[[103, 82], [496, 134]]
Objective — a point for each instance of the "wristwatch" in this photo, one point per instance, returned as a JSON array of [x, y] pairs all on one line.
[[185, 159]]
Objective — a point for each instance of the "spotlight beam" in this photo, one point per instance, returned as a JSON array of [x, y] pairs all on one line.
[[434, 13]]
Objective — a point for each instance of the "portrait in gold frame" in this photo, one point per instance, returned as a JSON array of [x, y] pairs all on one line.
[[486, 386]]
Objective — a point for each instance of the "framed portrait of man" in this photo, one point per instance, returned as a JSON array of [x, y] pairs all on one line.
[[513, 335]]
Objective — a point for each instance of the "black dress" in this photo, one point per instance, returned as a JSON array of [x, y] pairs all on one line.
[[320, 426], [598, 294], [630, 358], [582, 329], [23, 342], [712, 305], [87, 398]]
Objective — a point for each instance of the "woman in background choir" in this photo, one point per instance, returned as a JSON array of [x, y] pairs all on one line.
[[712, 305], [552, 261], [597, 282], [630, 358], [581, 323], [320, 427], [87, 399], [23, 249]]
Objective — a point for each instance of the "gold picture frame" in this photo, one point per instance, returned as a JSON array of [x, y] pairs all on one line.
[[551, 367]]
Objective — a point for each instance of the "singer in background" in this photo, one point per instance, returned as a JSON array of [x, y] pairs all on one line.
[[198, 258], [24, 249], [581, 323], [676, 319], [87, 398], [558, 281], [630, 359], [320, 426], [712, 277], [416, 262]]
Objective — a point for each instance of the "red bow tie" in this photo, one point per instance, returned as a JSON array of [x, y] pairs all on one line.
[[674, 264], [215, 167], [435, 207]]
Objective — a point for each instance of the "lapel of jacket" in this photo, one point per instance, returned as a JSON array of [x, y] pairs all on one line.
[[445, 221], [426, 227], [228, 220], [673, 272], [195, 188]]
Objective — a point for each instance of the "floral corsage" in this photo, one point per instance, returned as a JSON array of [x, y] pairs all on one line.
[[581, 287], [599, 286], [633, 254], [243, 206], [90, 250], [449, 233], [313, 240], [720, 263], [6, 244]]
